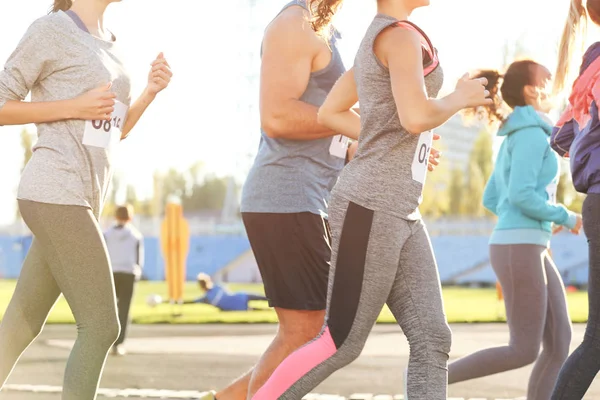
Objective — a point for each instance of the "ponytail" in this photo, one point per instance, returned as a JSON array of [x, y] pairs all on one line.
[[322, 13], [61, 5], [572, 34], [509, 92], [492, 112]]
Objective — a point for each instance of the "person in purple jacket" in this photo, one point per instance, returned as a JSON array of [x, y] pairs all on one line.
[[577, 136]]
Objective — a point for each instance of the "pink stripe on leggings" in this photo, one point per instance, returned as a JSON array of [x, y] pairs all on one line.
[[296, 365]]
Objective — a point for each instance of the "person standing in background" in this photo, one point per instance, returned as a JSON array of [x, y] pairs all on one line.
[[126, 249]]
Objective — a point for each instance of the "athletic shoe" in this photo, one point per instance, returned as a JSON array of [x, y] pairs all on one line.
[[207, 396], [119, 350]]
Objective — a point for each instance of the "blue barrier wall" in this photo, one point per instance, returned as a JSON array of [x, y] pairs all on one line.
[[208, 254]]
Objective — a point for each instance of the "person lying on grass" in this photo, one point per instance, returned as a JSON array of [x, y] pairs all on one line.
[[218, 296]]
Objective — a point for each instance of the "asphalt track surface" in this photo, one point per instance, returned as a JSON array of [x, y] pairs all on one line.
[[174, 361]]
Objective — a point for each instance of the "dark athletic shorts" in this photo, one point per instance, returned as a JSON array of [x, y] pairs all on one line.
[[293, 252]]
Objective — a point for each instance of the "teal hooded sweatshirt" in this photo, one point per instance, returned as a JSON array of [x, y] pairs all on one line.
[[522, 188]]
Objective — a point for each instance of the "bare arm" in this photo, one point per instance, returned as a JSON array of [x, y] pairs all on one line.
[[337, 113], [400, 49], [158, 79], [22, 113], [135, 112], [31, 62], [97, 104], [289, 47]]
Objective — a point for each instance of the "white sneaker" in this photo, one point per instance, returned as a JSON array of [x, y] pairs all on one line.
[[119, 350]]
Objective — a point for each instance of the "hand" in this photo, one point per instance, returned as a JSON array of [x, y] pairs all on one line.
[[96, 105], [433, 159], [472, 92], [557, 229], [434, 155], [352, 150], [578, 225], [159, 76]]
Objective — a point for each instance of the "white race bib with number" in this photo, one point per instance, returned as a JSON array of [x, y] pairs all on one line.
[[106, 134], [421, 158], [339, 146], [551, 190]]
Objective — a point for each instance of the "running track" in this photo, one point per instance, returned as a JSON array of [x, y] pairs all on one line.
[[175, 362]]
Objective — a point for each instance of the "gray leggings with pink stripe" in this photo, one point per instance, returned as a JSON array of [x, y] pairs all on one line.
[[377, 259]]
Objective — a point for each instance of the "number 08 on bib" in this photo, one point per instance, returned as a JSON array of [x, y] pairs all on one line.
[[106, 134]]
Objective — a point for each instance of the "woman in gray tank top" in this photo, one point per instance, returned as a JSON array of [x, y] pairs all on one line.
[[381, 252], [66, 61]]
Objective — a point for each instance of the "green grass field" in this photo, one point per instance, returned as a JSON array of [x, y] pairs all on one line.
[[462, 306]]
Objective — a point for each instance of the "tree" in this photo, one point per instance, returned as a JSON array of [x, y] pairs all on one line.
[[455, 192], [110, 205], [562, 189], [577, 204], [131, 196], [483, 154], [197, 190], [474, 191], [436, 199], [173, 183], [208, 195], [479, 170]]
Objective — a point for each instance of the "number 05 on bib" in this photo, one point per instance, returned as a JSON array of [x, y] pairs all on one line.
[[421, 157], [106, 134]]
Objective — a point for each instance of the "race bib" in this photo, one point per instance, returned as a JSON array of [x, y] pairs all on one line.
[[551, 190], [339, 146], [106, 134], [421, 158]]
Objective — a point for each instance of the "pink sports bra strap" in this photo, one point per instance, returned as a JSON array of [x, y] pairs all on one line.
[[425, 43]]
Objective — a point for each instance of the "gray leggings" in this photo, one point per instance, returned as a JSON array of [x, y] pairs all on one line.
[[377, 258], [536, 311], [68, 255]]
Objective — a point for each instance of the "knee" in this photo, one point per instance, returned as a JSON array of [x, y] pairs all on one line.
[[442, 339], [295, 338], [20, 329], [563, 343], [434, 344], [33, 332], [112, 332], [348, 353], [300, 331], [525, 355], [104, 331]]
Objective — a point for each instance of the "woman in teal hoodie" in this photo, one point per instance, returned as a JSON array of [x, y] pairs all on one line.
[[522, 193]]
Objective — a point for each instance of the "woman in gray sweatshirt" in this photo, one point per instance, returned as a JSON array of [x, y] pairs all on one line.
[[81, 104]]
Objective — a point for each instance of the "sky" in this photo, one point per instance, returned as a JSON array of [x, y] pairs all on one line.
[[209, 113]]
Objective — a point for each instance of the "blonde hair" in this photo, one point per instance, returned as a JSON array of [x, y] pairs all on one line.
[[572, 36], [321, 14], [205, 281]]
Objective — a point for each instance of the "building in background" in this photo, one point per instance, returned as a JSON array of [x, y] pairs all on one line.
[[457, 141]]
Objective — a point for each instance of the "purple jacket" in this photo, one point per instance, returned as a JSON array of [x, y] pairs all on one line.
[[577, 134]]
